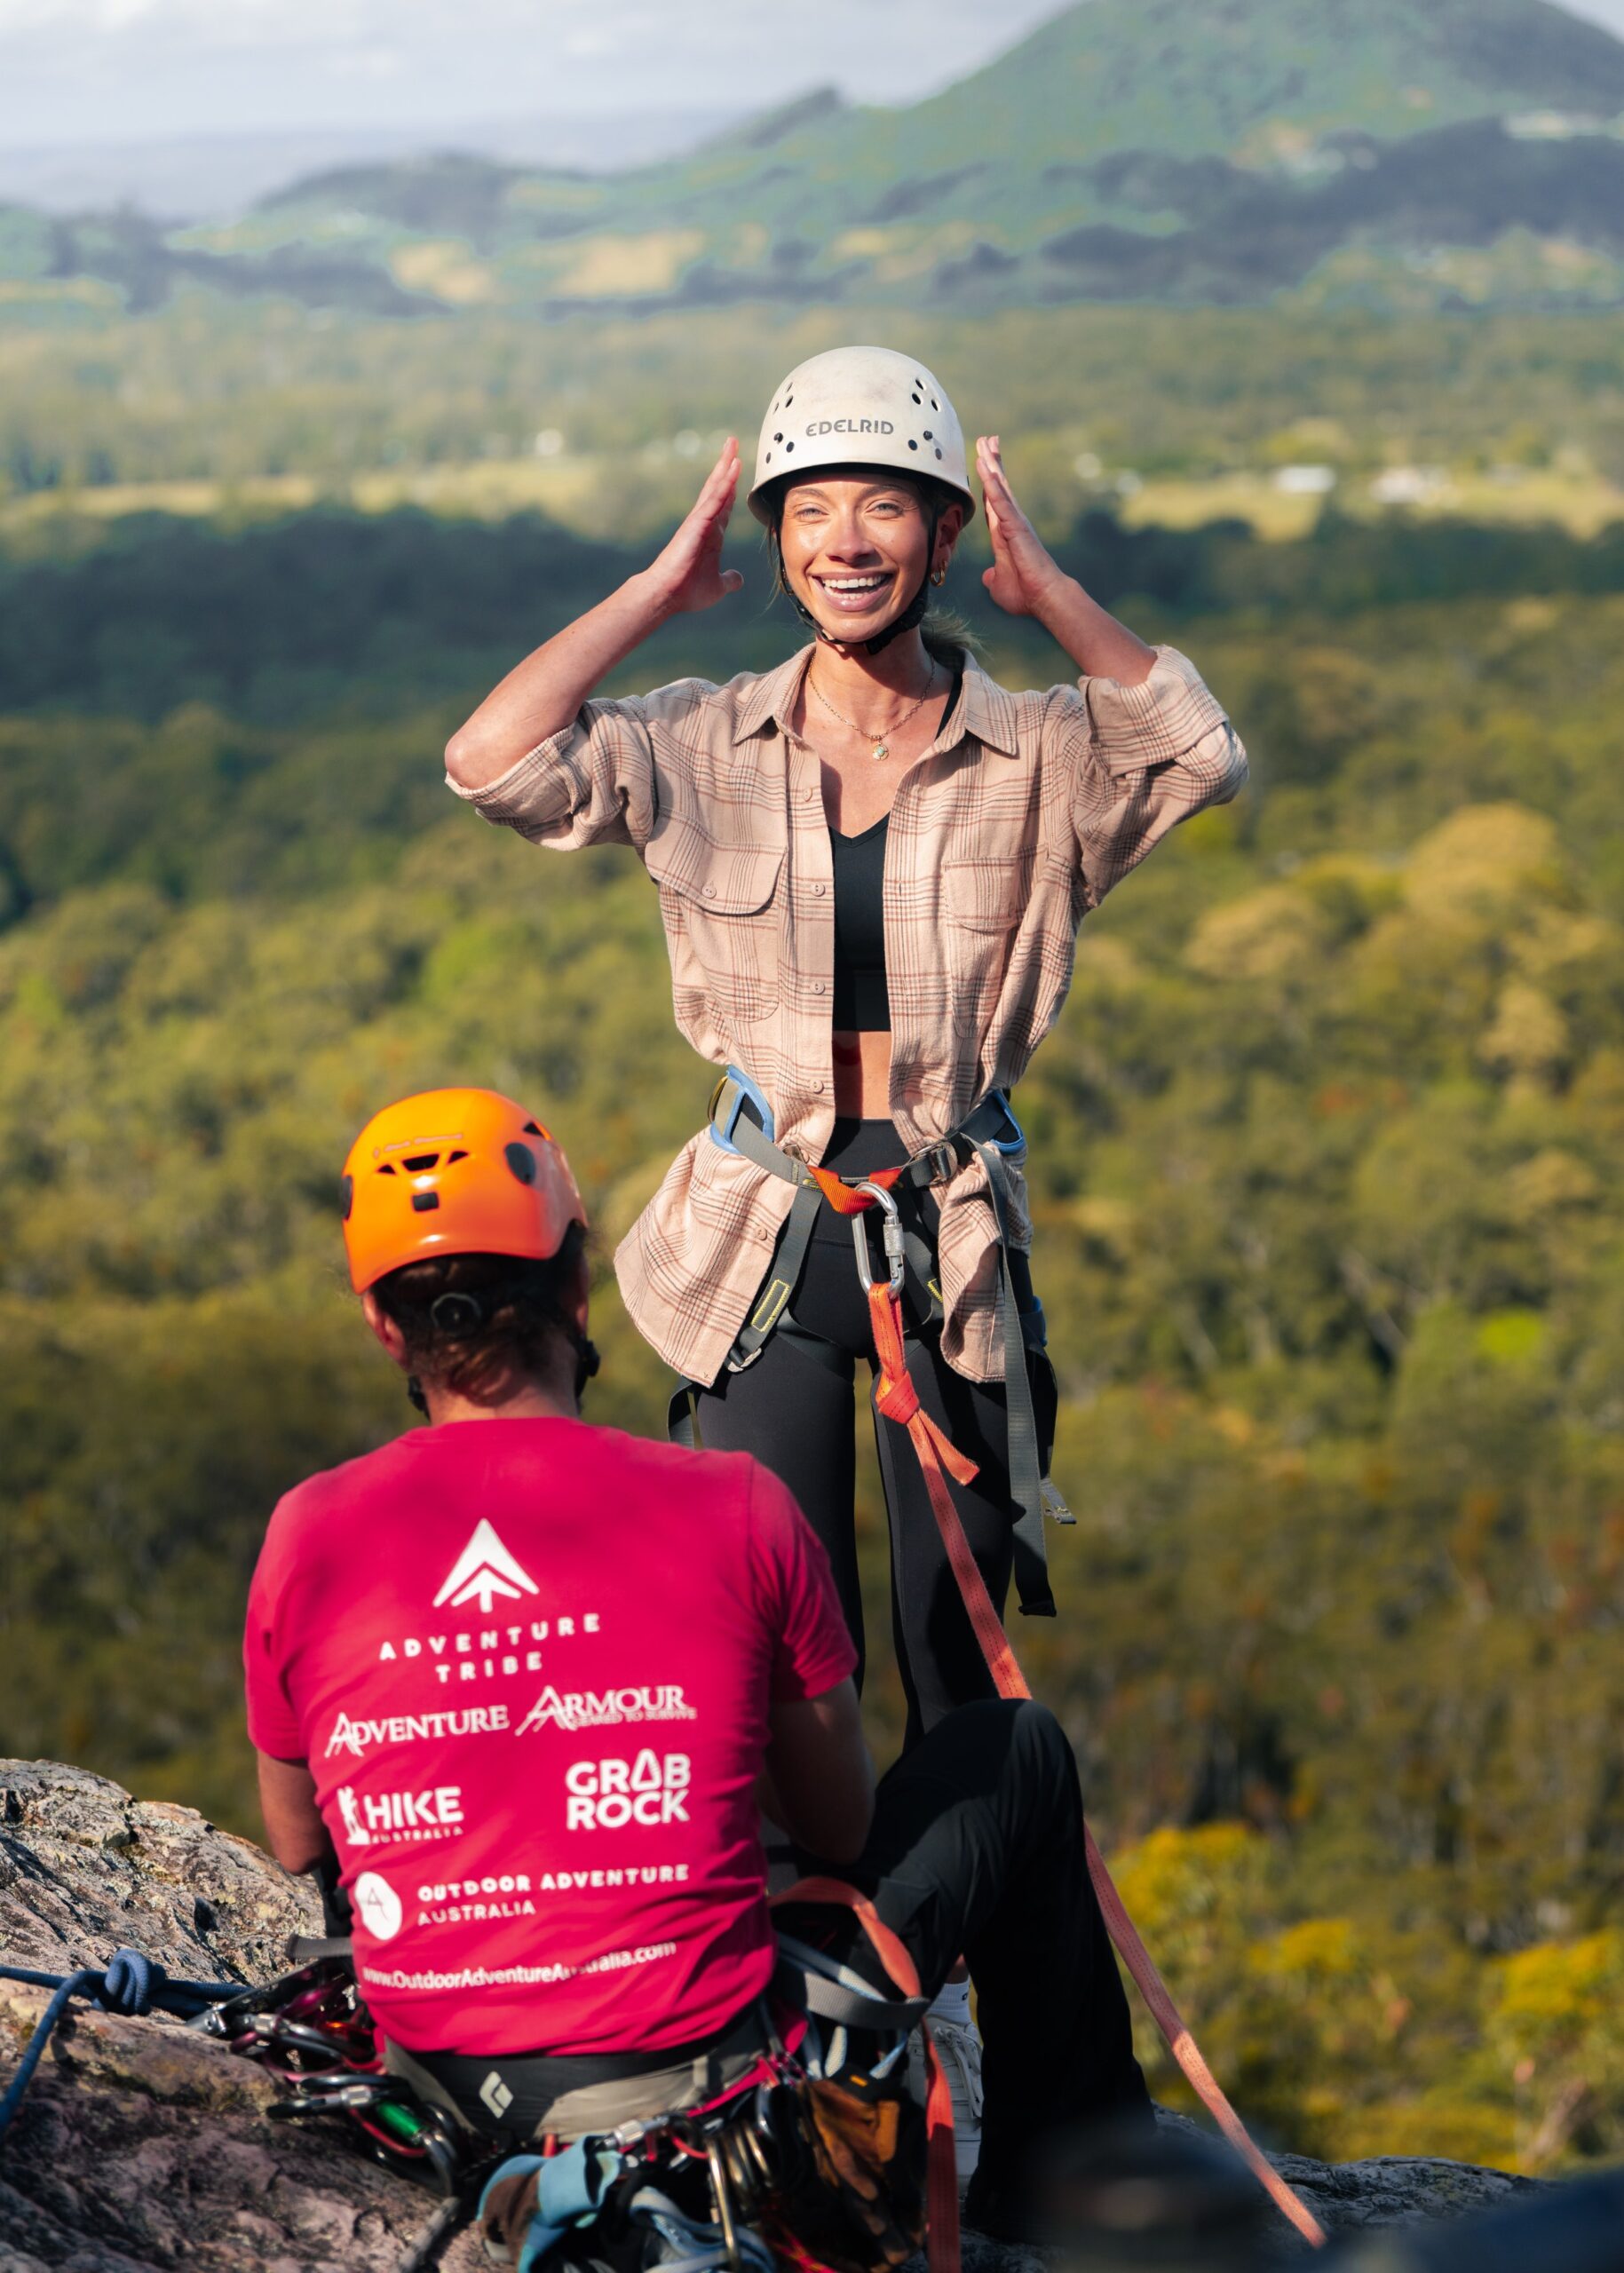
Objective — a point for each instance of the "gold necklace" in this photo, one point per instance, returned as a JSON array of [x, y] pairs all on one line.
[[881, 745]]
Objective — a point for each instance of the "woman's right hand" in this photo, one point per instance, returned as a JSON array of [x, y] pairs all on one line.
[[688, 575], [541, 696]]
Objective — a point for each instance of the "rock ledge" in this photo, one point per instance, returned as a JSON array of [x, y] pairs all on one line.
[[143, 2147]]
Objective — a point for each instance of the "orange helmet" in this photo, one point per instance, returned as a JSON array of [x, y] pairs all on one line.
[[452, 1172]]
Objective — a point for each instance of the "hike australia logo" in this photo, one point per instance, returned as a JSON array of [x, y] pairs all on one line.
[[399, 1815]]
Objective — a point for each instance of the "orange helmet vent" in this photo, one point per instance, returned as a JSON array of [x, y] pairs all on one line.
[[454, 1172]]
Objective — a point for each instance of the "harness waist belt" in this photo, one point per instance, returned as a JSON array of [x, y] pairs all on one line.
[[511, 2093]]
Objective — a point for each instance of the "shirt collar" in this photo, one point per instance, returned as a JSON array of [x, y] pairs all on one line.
[[771, 697], [984, 710]]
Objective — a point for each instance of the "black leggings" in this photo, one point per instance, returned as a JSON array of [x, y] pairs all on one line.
[[794, 1410], [977, 1847]]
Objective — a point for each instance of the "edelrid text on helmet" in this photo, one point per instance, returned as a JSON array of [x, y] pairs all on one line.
[[861, 406]]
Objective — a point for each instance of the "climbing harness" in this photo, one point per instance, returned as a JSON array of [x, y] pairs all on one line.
[[741, 1119], [808, 2160], [741, 1122], [685, 2186]]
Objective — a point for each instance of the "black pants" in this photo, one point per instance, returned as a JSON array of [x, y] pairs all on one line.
[[795, 1411], [977, 1847]]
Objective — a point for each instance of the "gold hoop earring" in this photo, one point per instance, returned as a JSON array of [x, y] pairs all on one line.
[[938, 577]]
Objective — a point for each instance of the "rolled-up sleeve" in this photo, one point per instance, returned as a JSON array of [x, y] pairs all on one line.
[[1142, 759], [592, 784]]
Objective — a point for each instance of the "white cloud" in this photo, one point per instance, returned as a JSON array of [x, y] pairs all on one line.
[[71, 70]]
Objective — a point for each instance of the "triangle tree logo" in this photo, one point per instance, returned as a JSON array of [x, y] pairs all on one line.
[[484, 1569]]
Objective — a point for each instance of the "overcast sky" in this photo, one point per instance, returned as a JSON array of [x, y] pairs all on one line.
[[72, 71]]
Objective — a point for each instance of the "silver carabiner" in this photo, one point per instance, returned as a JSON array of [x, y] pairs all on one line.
[[892, 1234]]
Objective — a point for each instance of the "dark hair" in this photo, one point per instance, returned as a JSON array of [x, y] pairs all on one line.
[[470, 1320], [948, 637]]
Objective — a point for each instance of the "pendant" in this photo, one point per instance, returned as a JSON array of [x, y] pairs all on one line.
[[881, 750]]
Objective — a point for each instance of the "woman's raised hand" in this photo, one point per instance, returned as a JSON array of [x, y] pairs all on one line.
[[1022, 574], [688, 575]]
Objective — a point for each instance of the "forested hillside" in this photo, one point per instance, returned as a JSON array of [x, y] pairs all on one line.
[[1326, 1166], [1208, 151]]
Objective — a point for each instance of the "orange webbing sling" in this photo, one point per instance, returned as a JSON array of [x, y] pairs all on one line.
[[897, 1398], [941, 2170]]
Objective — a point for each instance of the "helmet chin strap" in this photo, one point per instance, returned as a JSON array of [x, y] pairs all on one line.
[[911, 618]]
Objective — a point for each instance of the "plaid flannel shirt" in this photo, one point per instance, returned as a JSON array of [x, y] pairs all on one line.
[[1020, 817]]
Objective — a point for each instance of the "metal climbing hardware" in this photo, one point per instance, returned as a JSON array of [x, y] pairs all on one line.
[[892, 1239], [732, 1094]]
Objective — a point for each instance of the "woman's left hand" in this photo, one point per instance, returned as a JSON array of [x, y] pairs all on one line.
[[1022, 576]]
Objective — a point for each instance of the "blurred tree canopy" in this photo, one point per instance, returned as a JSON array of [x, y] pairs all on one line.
[[1326, 1167]]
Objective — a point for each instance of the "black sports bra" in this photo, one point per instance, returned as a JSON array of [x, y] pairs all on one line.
[[862, 1000]]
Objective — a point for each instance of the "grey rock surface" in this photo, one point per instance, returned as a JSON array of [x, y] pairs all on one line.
[[142, 2146]]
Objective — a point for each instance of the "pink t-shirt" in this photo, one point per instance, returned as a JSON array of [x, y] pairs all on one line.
[[529, 1663]]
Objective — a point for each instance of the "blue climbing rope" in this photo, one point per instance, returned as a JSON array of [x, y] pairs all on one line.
[[129, 1983]]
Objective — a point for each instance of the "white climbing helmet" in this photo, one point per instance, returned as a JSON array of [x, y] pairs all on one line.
[[861, 406]]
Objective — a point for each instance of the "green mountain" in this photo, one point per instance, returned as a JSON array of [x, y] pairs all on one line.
[[1216, 150]]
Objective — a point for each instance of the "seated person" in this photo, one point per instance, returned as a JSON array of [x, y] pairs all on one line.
[[524, 1684]]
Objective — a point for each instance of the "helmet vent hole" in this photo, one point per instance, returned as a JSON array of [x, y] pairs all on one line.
[[522, 1160], [788, 447], [458, 1155], [778, 438], [346, 1196], [934, 404], [534, 1129], [387, 1168], [419, 1162], [423, 1203], [912, 444], [930, 437]]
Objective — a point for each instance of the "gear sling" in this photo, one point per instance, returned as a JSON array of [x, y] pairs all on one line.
[[742, 1120]]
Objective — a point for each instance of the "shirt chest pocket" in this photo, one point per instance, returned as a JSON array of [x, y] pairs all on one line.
[[719, 904], [988, 893]]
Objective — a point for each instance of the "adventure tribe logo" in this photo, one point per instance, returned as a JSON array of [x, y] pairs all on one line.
[[489, 1577], [399, 1815], [484, 1569]]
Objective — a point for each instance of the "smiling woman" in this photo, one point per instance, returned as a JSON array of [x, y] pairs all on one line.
[[872, 862]]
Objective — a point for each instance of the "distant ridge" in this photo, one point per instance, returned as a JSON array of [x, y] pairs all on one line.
[[1465, 151]]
